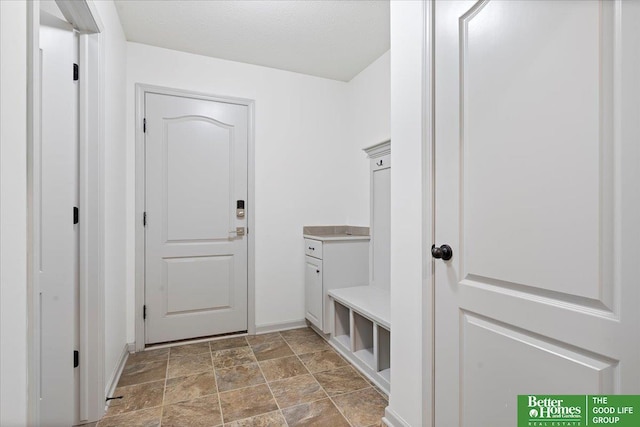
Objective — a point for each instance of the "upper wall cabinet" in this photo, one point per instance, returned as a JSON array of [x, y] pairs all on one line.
[[380, 182]]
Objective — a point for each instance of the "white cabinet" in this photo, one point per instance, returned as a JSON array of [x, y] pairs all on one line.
[[332, 261], [380, 193], [361, 315]]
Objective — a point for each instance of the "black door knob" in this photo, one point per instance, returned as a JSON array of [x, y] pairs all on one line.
[[444, 252]]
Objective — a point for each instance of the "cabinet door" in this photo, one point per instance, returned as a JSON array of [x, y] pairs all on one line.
[[381, 223], [313, 290]]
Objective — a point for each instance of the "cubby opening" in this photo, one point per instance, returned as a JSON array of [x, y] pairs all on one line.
[[363, 339], [342, 325], [384, 353]]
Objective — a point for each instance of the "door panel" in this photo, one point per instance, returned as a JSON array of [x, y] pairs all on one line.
[[55, 263], [192, 283], [492, 348], [196, 265], [206, 217], [530, 105], [530, 132], [380, 224]]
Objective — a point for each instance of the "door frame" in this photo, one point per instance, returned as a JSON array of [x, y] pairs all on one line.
[[140, 192], [90, 156], [428, 214]]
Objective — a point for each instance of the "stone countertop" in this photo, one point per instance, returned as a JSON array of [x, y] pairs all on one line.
[[328, 233]]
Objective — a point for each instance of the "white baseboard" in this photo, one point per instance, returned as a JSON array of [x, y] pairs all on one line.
[[280, 326], [115, 375], [392, 419]]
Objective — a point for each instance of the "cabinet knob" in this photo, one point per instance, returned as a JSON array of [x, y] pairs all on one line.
[[312, 249], [317, 271]]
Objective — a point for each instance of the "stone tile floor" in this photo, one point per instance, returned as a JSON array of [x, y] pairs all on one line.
[[290, 378]]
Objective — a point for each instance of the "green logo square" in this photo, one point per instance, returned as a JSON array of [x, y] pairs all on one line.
[[535, 410]]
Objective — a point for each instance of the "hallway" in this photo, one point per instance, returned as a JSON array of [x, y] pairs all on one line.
[[292, 378]]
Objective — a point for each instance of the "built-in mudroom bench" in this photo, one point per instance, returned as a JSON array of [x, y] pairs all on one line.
[[360, 315], [362, 330]]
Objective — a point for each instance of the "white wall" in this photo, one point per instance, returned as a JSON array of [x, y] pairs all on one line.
[[13, 213], [410, 288], [302, 178], [309, 165], [114, 54], [369, 96]]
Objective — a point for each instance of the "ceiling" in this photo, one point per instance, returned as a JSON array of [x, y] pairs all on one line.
[[325, 38]]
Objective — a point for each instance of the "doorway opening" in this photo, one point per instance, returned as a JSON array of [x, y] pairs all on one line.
[[194, 215], [66, 326]]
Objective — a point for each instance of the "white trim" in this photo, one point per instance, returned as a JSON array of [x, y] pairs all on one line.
[[33, 135], [91, 204], [82, 14], [378, 150], [139, 229], [141, 89], [265, 328], [391, 419], [428, 221], [112, 383]]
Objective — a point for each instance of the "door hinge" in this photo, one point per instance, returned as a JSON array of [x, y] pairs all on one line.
[[76, 215], [144, 219], [144, 125], [76, 358], [144, 312], [76, 72]]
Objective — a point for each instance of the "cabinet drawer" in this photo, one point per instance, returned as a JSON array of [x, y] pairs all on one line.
[[313, 248]]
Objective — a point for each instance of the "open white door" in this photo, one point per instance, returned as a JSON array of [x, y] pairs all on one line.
[[55, 176], [537, 154]]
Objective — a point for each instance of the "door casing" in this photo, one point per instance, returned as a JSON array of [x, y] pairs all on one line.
[[91, 275], [141, 90]]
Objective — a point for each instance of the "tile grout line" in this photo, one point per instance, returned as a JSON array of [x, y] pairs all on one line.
[[323, 389], [166, 378], [215, 377], [339, 410], [267, 382], [133, 385], [248, 418], [369, 385]]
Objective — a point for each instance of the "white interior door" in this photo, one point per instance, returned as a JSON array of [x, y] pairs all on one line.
[[55, 175], [536, 172], [196, 263]]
